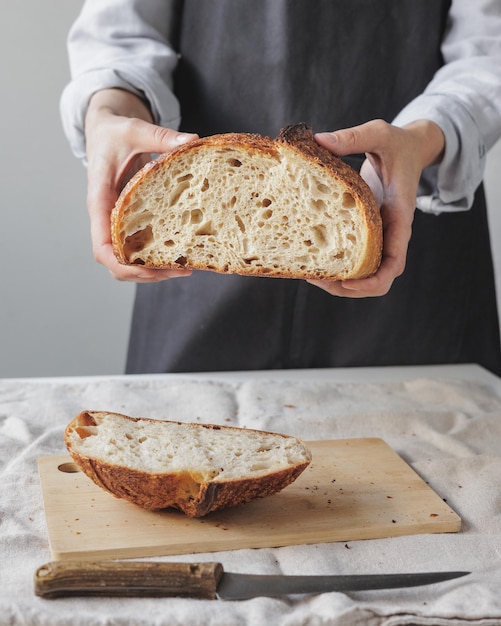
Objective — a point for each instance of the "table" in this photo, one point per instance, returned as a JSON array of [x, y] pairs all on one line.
[[445, 421]]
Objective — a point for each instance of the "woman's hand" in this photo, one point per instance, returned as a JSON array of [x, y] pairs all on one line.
[[395, 158], [120, 138]]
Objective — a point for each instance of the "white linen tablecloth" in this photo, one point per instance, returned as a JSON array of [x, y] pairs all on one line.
[[447, 429]]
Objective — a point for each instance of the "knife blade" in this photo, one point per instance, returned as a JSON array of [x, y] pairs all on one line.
[[203, 580]]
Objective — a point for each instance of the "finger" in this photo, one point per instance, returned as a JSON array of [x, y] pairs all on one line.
[[397, 233], [368, 137], [375, 286], [146, 137], [140, 141], [369, 174], [101, 198], [158, 275], [103, 253], [135, 273]]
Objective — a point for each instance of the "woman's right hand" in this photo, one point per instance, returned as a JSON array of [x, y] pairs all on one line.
[[120, 139]]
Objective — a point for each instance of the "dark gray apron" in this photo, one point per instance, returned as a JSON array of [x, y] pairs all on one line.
[[256, 66]]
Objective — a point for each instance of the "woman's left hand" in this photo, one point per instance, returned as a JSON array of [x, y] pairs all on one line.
[[395, 158]]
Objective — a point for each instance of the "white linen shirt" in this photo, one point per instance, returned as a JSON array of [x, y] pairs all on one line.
[[124, 44]]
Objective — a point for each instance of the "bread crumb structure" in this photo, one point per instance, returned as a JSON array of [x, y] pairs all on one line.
[[196, 468], [246, 204]]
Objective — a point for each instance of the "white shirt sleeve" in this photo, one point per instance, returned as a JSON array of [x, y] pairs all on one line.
[[464, 99], [124, 44]]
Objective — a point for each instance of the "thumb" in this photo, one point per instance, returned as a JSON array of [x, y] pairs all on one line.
[[147, 137], [355, 140]]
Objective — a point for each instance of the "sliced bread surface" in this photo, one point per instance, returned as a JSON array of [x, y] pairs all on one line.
[[196, 468], [246, 204]]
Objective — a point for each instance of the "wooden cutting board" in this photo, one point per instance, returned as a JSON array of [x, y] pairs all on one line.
[[353, 489]]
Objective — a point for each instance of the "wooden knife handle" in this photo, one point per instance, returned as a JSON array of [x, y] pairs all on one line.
[[131, 578]]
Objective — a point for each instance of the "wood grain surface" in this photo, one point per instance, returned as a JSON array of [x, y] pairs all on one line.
[[354, 489]]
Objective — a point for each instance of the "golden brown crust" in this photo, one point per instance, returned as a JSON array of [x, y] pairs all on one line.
[[298, 138], [187, 492]]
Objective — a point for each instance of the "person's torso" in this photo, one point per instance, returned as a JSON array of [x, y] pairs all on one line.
[[259, 65]]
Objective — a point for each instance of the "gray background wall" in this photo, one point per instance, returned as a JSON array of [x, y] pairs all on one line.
[[61, 313]]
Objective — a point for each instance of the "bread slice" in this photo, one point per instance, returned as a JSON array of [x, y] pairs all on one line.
[[246, 204], [196, 468]]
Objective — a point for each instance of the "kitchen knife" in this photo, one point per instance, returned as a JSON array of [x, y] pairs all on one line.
[[203, 580]]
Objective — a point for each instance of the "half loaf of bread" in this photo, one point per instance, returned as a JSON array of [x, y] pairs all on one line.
[[196, 468], [246, 204]]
